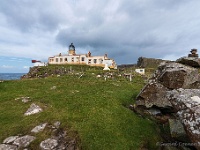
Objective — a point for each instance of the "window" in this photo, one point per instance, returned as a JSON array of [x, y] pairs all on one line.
[[65, 59], [89, 61], [72, 59], [56, 59], [61, 59], [82, 58], [95, 61], [100, 61]]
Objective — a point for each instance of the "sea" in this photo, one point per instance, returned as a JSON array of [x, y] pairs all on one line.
[[11, 76]]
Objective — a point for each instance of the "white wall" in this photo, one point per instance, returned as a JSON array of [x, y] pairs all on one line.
[[140, 71], [40, 64]]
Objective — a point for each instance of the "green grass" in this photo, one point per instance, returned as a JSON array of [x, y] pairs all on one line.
[[93, 107]]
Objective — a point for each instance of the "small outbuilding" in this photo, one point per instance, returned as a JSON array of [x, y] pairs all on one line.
[[140, 71]]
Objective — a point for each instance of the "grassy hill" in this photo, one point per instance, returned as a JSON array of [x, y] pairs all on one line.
[[91, 107]]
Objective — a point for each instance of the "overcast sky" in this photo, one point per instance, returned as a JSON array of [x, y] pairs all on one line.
[[124, 29]]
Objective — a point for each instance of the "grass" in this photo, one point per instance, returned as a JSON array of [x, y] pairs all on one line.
[[93, 107]]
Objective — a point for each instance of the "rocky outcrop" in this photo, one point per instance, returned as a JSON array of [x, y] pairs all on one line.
[[16, 142], [186, 103], [57, 70], [168, 76], [149, 62], [190, 61], [45, 71], [167, 93], [58, 139]]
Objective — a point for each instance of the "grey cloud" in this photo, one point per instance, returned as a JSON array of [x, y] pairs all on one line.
[[125, 30], [27, 15], [147, 28]]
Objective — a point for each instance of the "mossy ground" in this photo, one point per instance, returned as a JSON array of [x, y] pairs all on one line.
[[93, 107]]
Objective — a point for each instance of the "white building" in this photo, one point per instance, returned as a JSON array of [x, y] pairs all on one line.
[[87, 59], [140, 71], [38, 63]]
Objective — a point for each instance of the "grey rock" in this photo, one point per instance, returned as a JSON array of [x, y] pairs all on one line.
[[169, 76], [53, 87], [10, 139], [57, 124], [49, 144], [175, 75], [71, 145], [33, 110], [17, 98], [98, 76], [26, 99], [190, 61], [168, 91], [8, 147], [24, 141], [23, 99], [154, 111], [39, 128], [187, 105], [153, 94], [177, 130]]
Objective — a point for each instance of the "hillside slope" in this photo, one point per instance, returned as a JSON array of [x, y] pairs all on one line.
[[88, 107]]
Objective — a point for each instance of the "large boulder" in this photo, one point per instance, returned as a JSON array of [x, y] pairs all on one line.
[[169, 76], [174, 90], [187, 105], [153, 94], [190, 61], [175, 75]]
